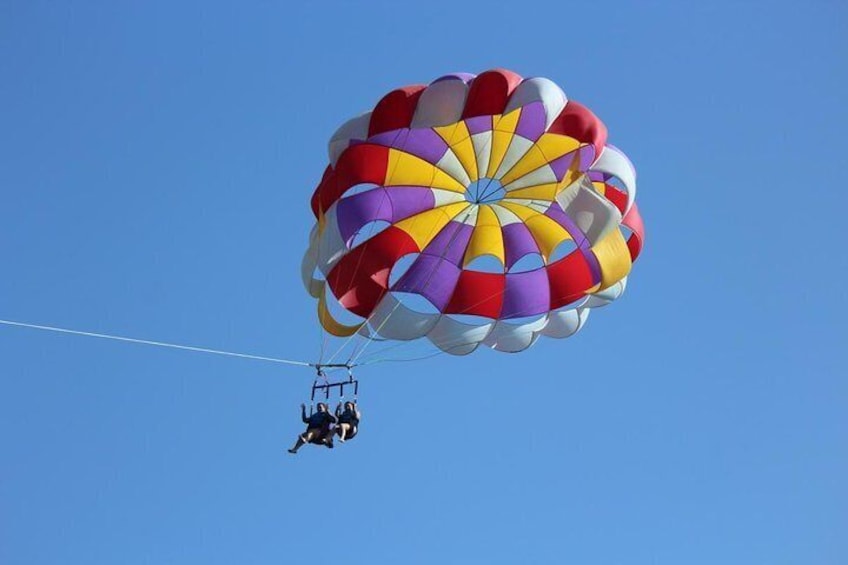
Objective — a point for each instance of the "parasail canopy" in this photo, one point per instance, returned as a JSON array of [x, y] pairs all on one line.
[[477, 210]]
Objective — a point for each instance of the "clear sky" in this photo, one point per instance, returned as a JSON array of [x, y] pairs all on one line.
[[156, 161]]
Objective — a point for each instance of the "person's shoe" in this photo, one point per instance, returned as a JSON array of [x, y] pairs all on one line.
[[293, 451], [341, 439], [330, 444]]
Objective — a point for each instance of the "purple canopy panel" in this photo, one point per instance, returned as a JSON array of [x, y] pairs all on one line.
[[518, 242], [390, 205], [587, 157], [355, 211], [479, 124], [409, 200], [393, 138], [450, 243], [531, 123], [431, 277], [526, 294], [421, 142], [560, 165]]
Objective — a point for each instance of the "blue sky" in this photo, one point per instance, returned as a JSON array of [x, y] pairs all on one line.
[[157, 160]]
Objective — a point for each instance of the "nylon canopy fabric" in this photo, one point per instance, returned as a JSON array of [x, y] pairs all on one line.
[[445, 193]]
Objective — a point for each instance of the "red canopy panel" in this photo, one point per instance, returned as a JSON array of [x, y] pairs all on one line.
[[395, 109], [490, 92], [361, 163], [617, 197], [354, 277], [578, 121], [479, 294], [633, 220], [569, 279]]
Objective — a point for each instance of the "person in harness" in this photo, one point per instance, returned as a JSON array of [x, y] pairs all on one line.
[[318, 428], [348, 421]]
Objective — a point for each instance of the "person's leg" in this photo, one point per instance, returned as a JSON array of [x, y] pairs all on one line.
[[302, 439], [298, 444], [343, 430]]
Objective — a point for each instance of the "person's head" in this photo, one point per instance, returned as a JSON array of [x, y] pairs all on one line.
[[348, 405], [322, 407]]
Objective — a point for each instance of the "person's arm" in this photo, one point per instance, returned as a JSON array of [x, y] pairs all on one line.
[[358, 414], [303, 414]]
